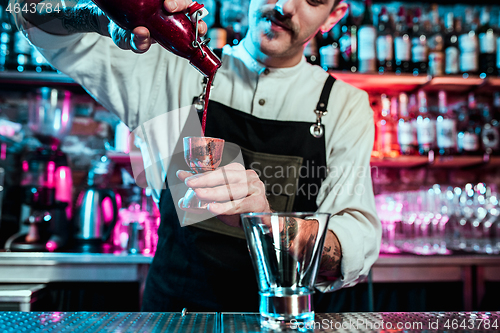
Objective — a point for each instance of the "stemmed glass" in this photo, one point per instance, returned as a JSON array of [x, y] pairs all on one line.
[[202, 154]]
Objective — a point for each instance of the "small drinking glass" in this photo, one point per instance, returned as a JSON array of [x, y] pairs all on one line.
[[285, 249]]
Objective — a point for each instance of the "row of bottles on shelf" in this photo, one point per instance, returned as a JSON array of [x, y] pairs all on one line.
[[411, 40], [16, 52], [406, 125]]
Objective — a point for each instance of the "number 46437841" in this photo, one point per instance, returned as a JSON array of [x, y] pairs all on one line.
[[42, 8]]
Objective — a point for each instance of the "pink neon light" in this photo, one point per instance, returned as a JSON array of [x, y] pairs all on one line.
[[65, 109], [51, 246], [3, 154], [51, 167], [25, 166]]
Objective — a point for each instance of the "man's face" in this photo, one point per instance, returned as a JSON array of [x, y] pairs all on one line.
[[281, 28]]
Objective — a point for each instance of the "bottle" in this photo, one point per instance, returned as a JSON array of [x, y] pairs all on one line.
[[367, 36], [451, 45], [469, 45], [387, 143], [418, 45], [21, 55], [470, 131], [175, 32], [406, 135], [413, 110], [329, 52], [446, 127], [5, 40], [487, 44], [235, 35], [217, 33], [490, 133], [349, 44], [385, 43], [425, 126], [402, 44], [436, 45]]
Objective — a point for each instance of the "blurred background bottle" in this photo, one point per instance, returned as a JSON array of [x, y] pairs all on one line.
[[451, 44], [446, 127], [349, 43], [490, 135], [419, 48], [425, 126], [402, 44], [367, 36], [436, 44], [216, 32], [5, 39], [469, 45], [385, 42], [487, 44], [406, 134], [470, 128]]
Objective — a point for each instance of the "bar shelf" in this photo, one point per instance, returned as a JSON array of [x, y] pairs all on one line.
[[447, 162], [30, 77]]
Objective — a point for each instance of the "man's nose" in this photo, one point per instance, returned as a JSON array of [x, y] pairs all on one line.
[[285, 7]]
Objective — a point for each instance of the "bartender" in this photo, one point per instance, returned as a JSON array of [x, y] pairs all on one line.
[[265, 100]]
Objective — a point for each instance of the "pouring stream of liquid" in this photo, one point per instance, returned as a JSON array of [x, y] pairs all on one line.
[[207, 97]]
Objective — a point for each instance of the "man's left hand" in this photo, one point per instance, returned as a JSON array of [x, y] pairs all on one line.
[[230, 190]]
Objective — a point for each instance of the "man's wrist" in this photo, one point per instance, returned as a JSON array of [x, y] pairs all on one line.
[[331, 257]]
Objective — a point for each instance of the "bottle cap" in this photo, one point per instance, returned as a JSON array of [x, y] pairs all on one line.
[[195, 9]]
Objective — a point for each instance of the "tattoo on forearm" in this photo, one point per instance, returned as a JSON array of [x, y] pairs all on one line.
[[290, 232], [81, 19], [330, 261]]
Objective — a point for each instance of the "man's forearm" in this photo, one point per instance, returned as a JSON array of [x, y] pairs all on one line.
[[330, 259], [65, 17]]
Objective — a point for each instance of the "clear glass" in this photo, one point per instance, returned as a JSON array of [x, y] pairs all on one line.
[[286, 251], [202, 154]]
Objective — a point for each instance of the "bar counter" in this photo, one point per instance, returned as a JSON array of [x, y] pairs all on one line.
[[78, 322], [36, 267]]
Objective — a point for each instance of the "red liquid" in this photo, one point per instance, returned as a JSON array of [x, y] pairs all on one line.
[[207, 97]]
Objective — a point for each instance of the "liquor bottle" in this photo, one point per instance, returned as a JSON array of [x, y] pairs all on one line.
[[21, 55], [436, 45], [470, 131], [402, 44], [349, 44], [329, 52], [446, 127], [217, 33], [385, 43], [469, 45], [418, 45], [490, 133], [367, 36], [387, 143], [413, 110], [451, 44], [234, 34], [5, 40], [406, 135], [425, 126], [487, 44]]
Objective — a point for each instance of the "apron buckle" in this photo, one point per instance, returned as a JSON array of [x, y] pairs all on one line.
[[317, 129]]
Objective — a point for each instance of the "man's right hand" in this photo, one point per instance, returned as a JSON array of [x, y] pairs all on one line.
[[86, 17], [140, 40]]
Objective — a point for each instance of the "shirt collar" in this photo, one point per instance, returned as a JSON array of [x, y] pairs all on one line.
[[241, 52]]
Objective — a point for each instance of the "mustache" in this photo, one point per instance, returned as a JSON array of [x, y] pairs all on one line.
[[272, 14]]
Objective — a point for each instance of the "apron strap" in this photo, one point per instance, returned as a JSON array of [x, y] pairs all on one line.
[[325, 94]]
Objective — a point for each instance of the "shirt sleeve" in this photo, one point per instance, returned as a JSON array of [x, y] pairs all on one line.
[[347, 191], [122, 81]]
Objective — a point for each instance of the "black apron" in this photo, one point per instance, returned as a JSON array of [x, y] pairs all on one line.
[[206, 266]]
